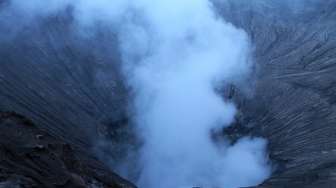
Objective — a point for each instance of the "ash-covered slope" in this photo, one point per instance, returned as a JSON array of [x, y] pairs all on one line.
[[70, 86], [64, 85], [294, 101]]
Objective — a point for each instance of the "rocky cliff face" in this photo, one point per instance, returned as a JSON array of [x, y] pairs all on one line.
[[70, 87]]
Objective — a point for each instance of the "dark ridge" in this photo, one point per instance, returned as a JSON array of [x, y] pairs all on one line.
[[31, 157]]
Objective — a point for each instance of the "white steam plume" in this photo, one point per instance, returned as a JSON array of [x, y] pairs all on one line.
[[175, 53]]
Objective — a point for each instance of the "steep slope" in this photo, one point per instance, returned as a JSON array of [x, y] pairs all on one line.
[[293, 104], [63, 84]]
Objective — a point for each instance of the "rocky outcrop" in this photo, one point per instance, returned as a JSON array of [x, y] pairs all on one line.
[[30, 157]]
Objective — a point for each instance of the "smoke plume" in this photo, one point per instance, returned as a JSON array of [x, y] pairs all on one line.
[[175, 55]]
